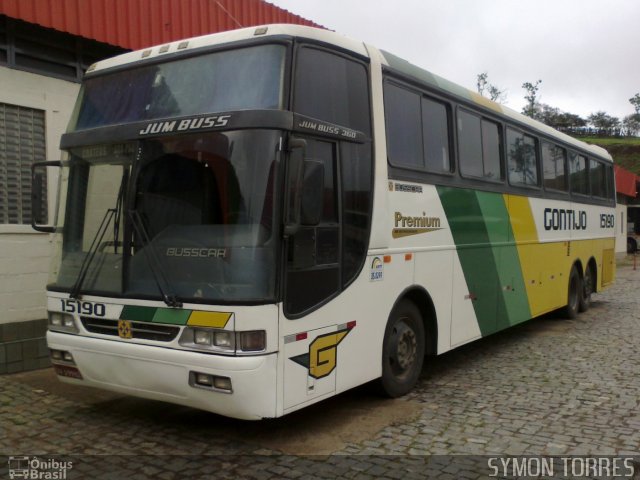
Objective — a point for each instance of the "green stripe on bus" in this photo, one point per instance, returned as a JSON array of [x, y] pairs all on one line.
[[173, 316], [138, 314], [513, 305], [475, 252], [481, 230]]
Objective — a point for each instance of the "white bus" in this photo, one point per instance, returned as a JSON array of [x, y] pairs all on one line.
[[256, 220]]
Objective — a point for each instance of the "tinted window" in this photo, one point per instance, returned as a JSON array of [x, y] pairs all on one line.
[[579, 174], [491, 150], [522, 162], [598, 179], [404, 130], [479, 147], [247, 78], [470, 144], [554, 167], [332, 88], [435, 130]]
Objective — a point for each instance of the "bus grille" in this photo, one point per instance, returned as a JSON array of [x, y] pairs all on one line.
[[145, 331]]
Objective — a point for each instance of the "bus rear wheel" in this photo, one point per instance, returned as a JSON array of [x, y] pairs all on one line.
[[587, 289], [574, 294], [403, 350]]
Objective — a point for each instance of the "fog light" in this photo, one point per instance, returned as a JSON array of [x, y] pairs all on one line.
[[202, 337], [253, 341], [222, 383], [204, 379], [223, 339]]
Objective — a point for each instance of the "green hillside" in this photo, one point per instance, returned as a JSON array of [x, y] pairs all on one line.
[[625, 151]]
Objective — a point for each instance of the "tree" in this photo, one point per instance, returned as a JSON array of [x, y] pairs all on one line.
[[604, 123], [631, 124], [556, 118], [635, 101], [532, 108], [494, 93]]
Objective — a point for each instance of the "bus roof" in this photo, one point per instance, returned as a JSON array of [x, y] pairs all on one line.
[[326, 36]]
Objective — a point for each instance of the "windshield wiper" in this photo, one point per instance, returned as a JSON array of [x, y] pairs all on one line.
[[97, 240], [154, 262]]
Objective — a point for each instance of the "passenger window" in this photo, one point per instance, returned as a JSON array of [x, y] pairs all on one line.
[[479, 147], [579, 174], [554, 167], [435, 132], [598, 179], [404, 130], [522, 159]]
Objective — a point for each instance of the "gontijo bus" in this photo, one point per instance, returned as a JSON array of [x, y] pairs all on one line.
[[253, 221]]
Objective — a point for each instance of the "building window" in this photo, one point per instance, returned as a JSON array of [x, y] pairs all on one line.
[[22, 142], [45, 51]]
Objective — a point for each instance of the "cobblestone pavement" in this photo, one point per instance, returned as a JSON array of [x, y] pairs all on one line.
[[550, 387]]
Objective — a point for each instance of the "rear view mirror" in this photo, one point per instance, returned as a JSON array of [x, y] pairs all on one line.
[[39, 203]]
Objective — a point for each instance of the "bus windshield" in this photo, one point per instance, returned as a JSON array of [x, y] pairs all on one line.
[[190, 216], [232, 80]]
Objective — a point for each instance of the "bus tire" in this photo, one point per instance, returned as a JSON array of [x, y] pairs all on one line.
[[588, 282], [403, 350], [574, 290]]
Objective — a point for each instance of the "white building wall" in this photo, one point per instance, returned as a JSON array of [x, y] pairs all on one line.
[[24, 253]]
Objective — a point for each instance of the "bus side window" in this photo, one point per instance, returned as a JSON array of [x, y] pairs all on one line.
[[479, 147], [554, 167], [578, 173], [522, 159]]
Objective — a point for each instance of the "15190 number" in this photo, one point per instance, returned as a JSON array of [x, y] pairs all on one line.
[[83, 308]]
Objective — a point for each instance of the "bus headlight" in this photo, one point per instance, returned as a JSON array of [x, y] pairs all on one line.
[[62, 322], [202, 337], [224, 341]]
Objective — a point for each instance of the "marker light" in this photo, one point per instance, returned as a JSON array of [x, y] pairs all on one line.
[[253, 341]]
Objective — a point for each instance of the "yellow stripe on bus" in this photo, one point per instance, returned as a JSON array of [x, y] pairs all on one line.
[[209, 319]]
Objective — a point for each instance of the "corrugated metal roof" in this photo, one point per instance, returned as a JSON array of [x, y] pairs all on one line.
[[626, 182], [136, 24]]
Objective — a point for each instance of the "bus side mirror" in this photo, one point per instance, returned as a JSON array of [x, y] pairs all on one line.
[[293, 192], [39, 204], [312, 193]]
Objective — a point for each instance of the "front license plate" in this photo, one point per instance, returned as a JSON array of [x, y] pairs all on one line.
[[67, 371]]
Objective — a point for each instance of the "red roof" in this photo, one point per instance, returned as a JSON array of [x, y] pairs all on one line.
[[135, 24], [626, 182]]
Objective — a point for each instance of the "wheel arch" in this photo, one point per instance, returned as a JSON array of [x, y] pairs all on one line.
[[421, 299]]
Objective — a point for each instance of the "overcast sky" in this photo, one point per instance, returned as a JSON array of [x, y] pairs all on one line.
[[586, 52]]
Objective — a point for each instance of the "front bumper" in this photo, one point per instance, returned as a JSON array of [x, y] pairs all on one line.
[[162, 374]]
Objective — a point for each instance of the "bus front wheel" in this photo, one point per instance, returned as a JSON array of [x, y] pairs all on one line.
[[403, 350], [574, 294]]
